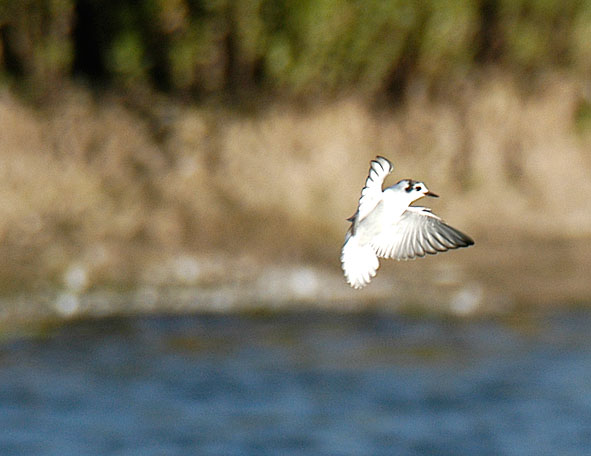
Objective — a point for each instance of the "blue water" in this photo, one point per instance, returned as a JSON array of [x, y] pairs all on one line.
[[300, 384]]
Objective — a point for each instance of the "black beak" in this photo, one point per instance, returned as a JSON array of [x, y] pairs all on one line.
[[431, 194]]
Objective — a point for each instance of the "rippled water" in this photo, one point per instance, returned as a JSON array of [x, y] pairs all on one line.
[[300, 384]]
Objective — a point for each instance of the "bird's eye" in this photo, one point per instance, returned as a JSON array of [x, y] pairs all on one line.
[[418, 188]]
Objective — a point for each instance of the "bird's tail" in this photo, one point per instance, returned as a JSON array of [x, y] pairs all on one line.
[[359, 262]]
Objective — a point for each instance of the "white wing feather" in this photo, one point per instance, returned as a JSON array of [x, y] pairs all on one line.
[[359, 262], [371, 194], [416, 233]]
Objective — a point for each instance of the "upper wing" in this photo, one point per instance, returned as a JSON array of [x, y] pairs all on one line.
[[371, 194], [417, 233]]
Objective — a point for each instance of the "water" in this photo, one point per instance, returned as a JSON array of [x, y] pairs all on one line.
[[300, 384]]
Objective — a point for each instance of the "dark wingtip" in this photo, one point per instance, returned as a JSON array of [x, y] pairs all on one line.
[[378, 157], [468, 241], [459, 238]]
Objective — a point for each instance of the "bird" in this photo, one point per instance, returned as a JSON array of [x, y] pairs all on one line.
[[386, 225]]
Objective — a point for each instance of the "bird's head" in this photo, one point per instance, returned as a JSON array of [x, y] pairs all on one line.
[[413, 190]]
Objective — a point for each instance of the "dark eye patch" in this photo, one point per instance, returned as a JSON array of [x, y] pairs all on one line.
[[418, 188]]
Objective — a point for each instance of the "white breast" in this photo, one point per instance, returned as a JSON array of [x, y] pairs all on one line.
[[395, 203]]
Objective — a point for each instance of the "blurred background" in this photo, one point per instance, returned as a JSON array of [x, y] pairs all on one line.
[[198, 159], [214, 145]]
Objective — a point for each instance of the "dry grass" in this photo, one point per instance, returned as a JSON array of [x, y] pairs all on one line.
[[92, 181]]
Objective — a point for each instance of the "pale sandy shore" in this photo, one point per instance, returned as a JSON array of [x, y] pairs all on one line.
[[480, 282]]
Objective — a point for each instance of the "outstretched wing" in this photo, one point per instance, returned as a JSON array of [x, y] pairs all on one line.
[[417, 233], [371, 194]]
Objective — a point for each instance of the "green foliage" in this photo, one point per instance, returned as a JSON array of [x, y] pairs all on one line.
[[126, 58], [35, 40], [449, 36], [298, 46], [537, 32]]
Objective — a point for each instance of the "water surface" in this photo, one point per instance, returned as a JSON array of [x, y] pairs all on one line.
[[300, 384]]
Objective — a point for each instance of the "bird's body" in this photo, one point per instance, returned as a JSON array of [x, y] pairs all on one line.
[[387, 226]]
